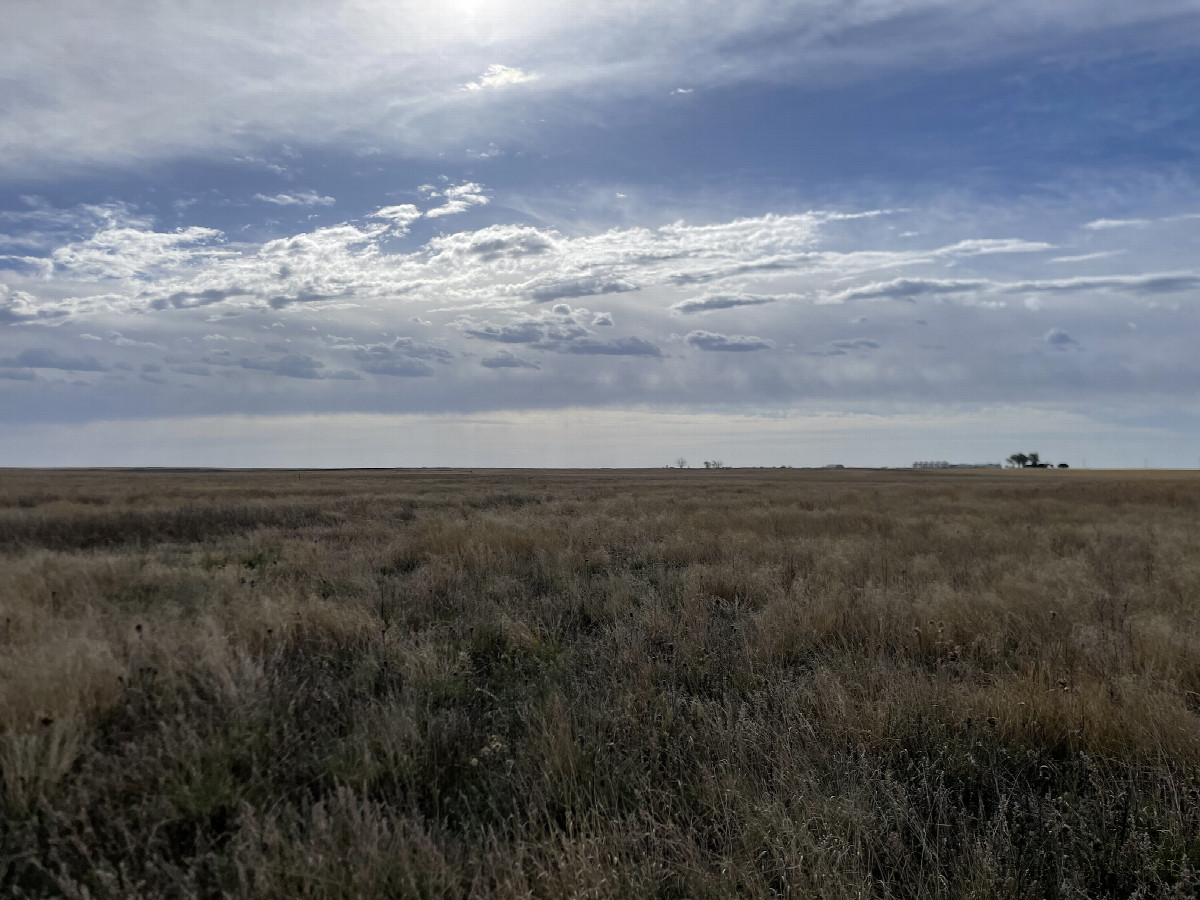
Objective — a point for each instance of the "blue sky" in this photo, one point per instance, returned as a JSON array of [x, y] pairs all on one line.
[[527, 233]]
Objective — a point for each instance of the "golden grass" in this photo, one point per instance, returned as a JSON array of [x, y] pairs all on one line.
[[585, 684]]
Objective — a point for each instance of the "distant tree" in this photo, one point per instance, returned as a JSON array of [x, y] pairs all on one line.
[[1018, 460], [681, 463], [1034, 460], [717, 464], [707, 464]]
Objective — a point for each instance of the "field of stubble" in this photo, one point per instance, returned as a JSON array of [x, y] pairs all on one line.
[[550, 684]]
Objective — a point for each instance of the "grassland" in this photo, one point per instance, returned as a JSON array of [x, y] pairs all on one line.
[[552, 684]]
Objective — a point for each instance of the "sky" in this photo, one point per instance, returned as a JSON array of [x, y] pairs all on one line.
[[543, 233]]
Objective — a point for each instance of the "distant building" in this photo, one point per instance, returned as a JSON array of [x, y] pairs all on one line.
[[833, 466], [943, 464]]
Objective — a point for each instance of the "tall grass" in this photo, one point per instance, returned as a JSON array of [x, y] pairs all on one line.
[[712, 684]]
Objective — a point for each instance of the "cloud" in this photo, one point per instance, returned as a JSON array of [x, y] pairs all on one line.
[[1149, 283], [629, 346], [399, 367], [550, 288], [498, 76], [294, 365], [492, 152], [406, 346], [912, 288], [547, 330], [506, 360], [1058, 338], [459, 198], [131, 252], [843, 347], [47, 358], [1086, 257], [710, 302], [403, 358], [306, 295], [557, 330], [332, 302], [907, 289], [1107, 224], [351, 263], [401, 216], [517, 333], [738, 343], [346, 71], [987, 247], [20, 307], [396, 74], [739, 270], [192, 299], [198, 371], [492, 243], [297, 198]]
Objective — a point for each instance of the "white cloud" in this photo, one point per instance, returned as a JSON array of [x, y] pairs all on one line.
[[1106, 224], [710, 302], [1148, 283], [492, 152], [987, 247], [907, 289], [1086, 257], [498, 76], [549, 287], [297, 320], [22, 308], [762, 261], [401, 216], [1151, 283], [459, 198], [132, 252], [297, 198]]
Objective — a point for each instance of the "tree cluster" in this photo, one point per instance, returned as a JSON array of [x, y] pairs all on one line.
[[1031, 461]]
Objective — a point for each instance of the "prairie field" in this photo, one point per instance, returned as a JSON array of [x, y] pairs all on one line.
[[586, 684]]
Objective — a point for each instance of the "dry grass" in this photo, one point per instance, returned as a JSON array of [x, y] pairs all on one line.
[[659, 684]]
